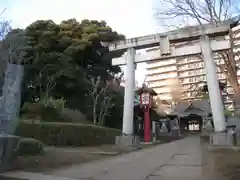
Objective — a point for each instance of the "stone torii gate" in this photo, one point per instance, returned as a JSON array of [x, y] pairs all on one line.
[[201, 40]]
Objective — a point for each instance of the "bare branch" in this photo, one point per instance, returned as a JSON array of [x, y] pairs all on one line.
[[195, 11], [98, 92]]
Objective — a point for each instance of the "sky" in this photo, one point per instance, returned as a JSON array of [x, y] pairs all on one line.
[[130, 17]]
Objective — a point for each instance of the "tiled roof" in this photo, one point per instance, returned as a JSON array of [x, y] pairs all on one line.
[[199, 107]]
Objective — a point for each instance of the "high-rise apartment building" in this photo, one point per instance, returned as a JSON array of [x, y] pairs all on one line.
[[183, 76]]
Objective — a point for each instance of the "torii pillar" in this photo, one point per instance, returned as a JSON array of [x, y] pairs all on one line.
[[213, 85], [128, 138], [129, 93]]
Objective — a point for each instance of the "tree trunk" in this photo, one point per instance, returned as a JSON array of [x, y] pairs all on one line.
[[94, 113]]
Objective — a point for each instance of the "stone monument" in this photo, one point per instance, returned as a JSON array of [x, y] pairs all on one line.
[[9, 113], [12, 52]]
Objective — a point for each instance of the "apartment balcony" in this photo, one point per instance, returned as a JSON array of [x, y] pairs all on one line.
[[165, 97], [162, 70], [190, 90], [199, 75], [198, 79], [160, 77], [157, 84], [186, 61], [165, 90], [194, 66], [228, 101], [190, 75], [160, 63], [190, 67]]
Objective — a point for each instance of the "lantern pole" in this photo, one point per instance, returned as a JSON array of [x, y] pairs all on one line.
[[147, 133]]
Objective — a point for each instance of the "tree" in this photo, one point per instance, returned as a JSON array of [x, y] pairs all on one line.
[[190, 12], [162, 106], [70, 44], [102, 94], [100, 98], [176, 91], [64, 58]]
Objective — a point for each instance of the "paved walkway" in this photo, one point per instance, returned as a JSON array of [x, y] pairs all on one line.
[[180, 160]]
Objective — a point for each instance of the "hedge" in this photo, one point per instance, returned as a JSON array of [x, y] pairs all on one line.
[[67, 134], [30, 147]]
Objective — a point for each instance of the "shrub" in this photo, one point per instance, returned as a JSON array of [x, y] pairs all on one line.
[[39, 110], [57, 104], [67, 134], [74, 115], [31, 109], [29, 147], [52, 111]]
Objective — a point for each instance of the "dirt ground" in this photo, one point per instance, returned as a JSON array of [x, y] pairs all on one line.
[[228, 163], [6, 178], [55, 158], [221, 164]]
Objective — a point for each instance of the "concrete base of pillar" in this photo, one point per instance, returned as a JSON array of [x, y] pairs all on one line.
[[175, 133], [127, 140], [164, 134], [222, 139], [8, 150]]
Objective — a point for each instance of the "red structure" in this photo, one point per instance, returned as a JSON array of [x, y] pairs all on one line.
[[146, 100]]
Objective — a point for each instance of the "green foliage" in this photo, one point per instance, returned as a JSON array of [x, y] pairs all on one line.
[[62, 56], [74, 116], [57, 104], [52, 111], [31, 109], [227, 113], [29, 147], [72, 48], [68, 134], [14, 47], [41, 112], [204, 96]]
